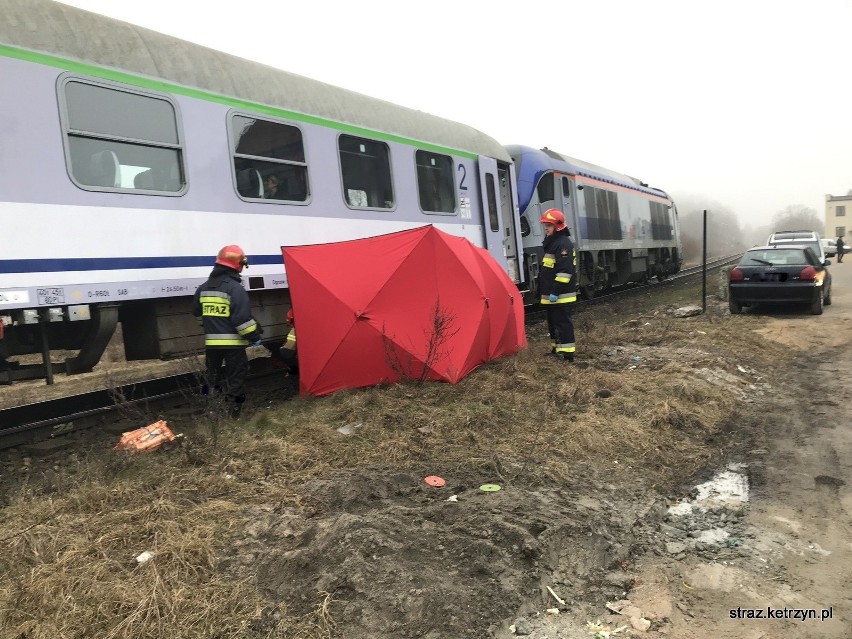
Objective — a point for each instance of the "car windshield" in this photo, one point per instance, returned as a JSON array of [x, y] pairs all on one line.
[[776, 257]]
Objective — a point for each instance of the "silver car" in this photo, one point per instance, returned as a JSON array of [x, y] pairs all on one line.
[[811, 239]]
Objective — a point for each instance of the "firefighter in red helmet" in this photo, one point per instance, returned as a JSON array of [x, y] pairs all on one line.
[[557, 283], [223, 309]]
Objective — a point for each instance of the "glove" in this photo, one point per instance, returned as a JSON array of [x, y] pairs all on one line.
[[553, 298], [257, 342]]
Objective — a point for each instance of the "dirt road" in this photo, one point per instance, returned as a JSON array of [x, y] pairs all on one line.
[[786, 569]]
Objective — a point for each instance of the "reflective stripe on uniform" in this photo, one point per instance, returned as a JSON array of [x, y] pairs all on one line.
[[565, 298], [236, 341], [549, 260], [224, 339], [563, 277], [215, 294], [566, 348], [246, 327], [290, 344]]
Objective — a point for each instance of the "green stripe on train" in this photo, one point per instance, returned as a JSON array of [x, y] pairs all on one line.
[[161, 85]]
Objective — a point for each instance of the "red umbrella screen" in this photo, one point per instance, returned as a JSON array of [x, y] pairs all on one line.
[[419, 304]]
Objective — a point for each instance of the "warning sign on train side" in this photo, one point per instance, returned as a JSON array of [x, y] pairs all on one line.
[[464, 208]]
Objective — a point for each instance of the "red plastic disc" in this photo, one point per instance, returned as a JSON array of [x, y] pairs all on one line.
[[434, 480]]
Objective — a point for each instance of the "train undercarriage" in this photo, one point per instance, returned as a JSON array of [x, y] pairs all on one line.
[[598, 271], [601, 270], [73, 339]]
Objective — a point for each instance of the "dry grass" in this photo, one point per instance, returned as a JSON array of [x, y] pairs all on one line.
[[68, 546]]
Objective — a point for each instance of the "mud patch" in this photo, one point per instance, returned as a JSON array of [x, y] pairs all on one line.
[[397, 556]]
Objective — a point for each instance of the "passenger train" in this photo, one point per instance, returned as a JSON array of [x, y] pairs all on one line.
[[130, 157]]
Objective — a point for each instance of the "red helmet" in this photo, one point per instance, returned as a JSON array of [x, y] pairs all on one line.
[[233, 256], [555, 217], [290, 316]]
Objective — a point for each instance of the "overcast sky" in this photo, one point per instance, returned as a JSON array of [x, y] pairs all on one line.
[[745, 102]]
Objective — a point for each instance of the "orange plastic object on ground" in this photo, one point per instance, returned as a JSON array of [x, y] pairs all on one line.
[[147, 438]]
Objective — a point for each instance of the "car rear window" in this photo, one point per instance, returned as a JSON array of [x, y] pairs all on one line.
[[814, 246], [776, 257], [793, 235]]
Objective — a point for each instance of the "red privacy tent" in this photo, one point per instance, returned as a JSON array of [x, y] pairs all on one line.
[[419, 304]]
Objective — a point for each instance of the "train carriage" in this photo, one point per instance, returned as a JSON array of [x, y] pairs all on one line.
[[624, 231], [130, 157]]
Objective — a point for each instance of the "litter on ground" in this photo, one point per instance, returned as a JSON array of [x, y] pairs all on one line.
[[147, 438]]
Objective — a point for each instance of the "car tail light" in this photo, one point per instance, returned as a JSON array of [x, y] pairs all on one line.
[[808, 273], [736, 275]]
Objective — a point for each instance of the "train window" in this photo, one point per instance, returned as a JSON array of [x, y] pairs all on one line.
[[121, 140], [566, 188], [545, 188], [269, 160], [365, 168], [661, 222], [492, 202], [435, 182], [601, 219]]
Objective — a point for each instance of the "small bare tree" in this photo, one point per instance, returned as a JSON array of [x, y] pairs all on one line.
[[441, 331]]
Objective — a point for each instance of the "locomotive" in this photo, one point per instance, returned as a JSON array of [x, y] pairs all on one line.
[[130, 157]]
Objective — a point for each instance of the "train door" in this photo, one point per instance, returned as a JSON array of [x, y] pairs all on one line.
[[500, 223]]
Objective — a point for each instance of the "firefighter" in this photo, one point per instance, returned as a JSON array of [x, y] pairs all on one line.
[[288, 350], [557, 283], [222, 307]]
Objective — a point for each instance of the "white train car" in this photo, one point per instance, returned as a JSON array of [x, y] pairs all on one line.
[[130, 157]]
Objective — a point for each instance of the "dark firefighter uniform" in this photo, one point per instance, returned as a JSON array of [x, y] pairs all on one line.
[[558, 278], [288, 350], [222, 307]]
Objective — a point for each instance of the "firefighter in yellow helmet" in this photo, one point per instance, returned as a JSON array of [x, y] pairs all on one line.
[[223, 308], [557, 283]]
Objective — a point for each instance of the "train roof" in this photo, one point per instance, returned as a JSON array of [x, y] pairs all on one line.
[[72, 34], [538, 159]]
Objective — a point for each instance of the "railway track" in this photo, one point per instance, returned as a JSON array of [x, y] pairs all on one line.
[[43, 420], [21, 424], [622, 292]]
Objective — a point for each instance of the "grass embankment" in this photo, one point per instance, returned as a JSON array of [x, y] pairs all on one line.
[[635, 410]]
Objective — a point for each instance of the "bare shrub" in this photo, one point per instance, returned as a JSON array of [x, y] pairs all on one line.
[[441, 331]]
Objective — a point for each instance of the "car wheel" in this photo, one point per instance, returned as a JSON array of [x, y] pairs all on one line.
[[816, 307], [735, 307]]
